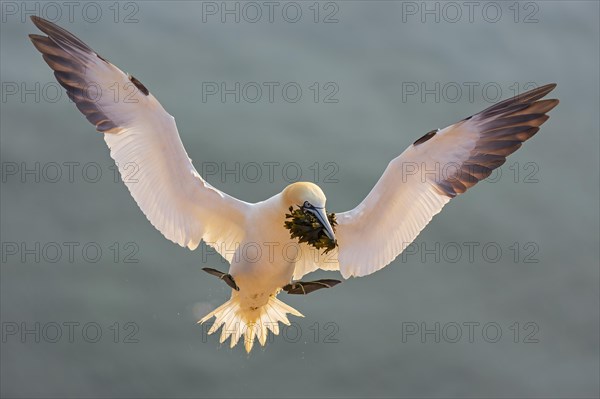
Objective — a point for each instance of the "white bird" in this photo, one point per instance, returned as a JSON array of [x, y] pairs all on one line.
[[186, 209]]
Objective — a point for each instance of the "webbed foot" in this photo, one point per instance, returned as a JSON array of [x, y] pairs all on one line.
[[306, 287], [228, 278]]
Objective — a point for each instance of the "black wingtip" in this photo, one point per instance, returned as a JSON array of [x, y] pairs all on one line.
[[547, 88], [41, 23], [33, 37], [60, 35], [44, 25], [502, 129]]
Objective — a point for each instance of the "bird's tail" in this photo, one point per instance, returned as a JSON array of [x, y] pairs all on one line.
[[251, 323]]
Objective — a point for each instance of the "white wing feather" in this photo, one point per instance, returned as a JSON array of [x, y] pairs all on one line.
[[417, 184], [145, 144]]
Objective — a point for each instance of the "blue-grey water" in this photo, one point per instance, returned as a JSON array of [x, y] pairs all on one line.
[[498, 298]]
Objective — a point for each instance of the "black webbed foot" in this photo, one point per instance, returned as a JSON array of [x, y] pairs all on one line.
[[228, 278], [306, 287]]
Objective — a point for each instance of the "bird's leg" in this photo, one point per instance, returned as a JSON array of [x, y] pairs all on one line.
[[228, 278], [306, 287]]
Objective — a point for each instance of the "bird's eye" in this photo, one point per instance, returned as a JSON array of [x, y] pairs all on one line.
[[307, 204]]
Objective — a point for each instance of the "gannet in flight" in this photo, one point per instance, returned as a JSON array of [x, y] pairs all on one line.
[[186, 209]]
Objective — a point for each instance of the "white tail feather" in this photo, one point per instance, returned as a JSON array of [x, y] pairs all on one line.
[[251, 323]]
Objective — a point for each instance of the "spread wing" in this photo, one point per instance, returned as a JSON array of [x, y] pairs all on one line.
[[434, 169], [145, 144]]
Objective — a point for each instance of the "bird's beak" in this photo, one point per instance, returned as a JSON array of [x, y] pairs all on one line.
[[321, 216]]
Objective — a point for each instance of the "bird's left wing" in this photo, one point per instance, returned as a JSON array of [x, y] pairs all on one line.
[[145, 144], [434, 169]]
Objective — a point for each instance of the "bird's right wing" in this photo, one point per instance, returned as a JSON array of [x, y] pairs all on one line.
[[145, 144], [436, 168]]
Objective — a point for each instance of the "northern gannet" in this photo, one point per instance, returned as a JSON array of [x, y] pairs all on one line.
[[186, 209]]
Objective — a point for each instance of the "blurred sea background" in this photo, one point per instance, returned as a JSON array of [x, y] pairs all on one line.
[[141, 296]]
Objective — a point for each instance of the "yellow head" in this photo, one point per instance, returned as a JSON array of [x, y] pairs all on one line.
[[310, 198], [301, 192]]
